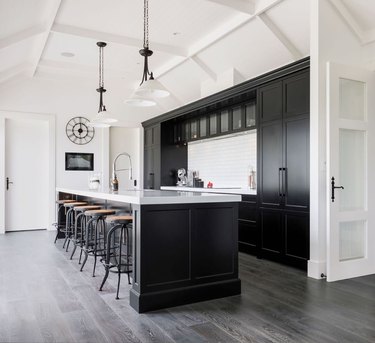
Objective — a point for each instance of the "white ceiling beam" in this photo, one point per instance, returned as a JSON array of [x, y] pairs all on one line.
[[229, 27], [15, 71], [21, 36], [245, 6], [41, 44], [118, 39], [349, 20], [204, 67], [265, 19]]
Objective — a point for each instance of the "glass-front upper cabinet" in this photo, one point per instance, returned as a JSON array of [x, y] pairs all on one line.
[[203, 127], [237, 119], [224, 121], [194, 129], [185, 129], [250, 114], [213, 124]]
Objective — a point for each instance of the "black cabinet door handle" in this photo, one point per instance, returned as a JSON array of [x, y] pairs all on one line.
[[284, 182], [280, 182], [333, 187], [152, 180]]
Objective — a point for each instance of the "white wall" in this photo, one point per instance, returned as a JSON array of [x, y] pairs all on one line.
[[65, 101], [126, 140], [75, 178], [225, 161], [331, 39]]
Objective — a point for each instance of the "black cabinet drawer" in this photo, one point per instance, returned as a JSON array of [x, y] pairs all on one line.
[[247, 232], [247, 211]]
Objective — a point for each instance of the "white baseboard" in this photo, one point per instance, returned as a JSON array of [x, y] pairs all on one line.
[[315, 269]]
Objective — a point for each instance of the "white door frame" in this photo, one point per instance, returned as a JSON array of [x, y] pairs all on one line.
[[50, 118]]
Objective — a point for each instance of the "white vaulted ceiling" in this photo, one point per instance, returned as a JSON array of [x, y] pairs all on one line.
[[193, 41]]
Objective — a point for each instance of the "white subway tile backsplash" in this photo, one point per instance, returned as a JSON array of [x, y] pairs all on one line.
[[226, 160]]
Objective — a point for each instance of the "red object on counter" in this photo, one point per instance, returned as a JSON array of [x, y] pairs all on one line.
[[209, 184]]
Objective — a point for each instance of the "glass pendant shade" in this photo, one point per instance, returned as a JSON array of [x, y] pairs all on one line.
[[106, 117], [138, 101], [102, 119], [152, 88], [97, 123]]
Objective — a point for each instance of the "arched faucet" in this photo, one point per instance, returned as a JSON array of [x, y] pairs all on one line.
[[114, 170]]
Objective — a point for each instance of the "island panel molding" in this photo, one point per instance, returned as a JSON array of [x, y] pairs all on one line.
[[184, 244]]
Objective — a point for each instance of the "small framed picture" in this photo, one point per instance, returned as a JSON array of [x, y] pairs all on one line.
[[79, 161]]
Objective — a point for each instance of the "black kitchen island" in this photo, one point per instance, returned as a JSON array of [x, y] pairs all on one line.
[[185, 245]]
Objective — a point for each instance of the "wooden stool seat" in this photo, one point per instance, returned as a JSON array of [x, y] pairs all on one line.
[[119, 219], [98, 213], [64, 201], [86, 208], [73, 204]]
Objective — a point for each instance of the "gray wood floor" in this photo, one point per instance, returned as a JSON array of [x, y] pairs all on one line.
[[44, 298]]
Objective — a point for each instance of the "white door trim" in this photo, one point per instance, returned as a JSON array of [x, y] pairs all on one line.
[[50, 118]]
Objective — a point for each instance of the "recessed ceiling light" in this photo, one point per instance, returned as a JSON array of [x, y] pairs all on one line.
[[67, 54]]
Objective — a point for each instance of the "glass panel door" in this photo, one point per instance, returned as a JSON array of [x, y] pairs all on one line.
[[350, 166]]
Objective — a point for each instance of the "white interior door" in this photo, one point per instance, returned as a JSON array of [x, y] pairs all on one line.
[[27, 170], [351, 162]]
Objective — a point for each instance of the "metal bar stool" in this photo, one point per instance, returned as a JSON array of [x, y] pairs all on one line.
[[69, 226], [95, 238], [118, 254], [80, 226], [59, 213]]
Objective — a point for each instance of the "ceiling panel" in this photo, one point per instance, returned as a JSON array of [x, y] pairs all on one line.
[[292, 14], [166, 17], [363, 12], [252, 50], [19, 15], [118, 57], [184, 82], [17, 54]]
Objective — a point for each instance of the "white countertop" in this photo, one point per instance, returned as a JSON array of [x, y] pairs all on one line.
[[155, 197], [242, 191]]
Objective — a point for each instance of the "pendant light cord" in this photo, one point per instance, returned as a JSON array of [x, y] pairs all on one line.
[[145, 24], [101, 72], [101, 89]]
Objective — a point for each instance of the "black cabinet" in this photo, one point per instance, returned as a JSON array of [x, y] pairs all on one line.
[[284, 236], [247, 225], [283, 181], [152, 153], [270, 101]]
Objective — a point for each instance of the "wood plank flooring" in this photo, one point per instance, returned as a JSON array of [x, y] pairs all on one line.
[[44, 298]]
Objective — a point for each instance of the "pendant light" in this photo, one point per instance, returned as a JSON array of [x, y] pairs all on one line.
[[103, 118], [149, 87]]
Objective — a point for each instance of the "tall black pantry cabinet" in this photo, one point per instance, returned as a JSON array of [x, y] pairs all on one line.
[[283, 184], [152, 157]]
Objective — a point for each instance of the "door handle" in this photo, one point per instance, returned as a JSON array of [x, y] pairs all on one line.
[[8, 183], [282, 181], [152, 180], [333, 187]]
